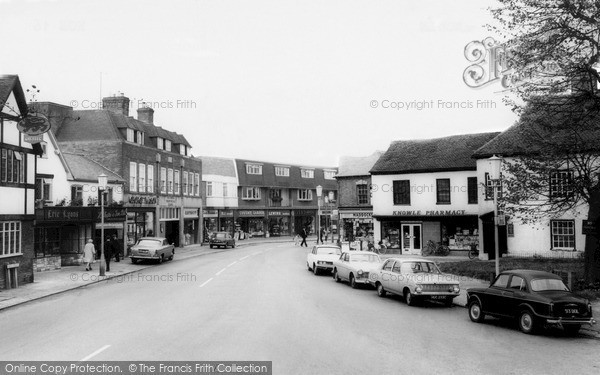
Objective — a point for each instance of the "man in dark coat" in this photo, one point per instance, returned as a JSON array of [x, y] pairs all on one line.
[[116, 244], [303, 234], [108, 252]]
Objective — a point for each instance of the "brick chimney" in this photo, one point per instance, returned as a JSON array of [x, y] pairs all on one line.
[[116, 104], [146, 114]]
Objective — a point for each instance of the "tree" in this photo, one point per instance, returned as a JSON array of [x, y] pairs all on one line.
[[553, 50]]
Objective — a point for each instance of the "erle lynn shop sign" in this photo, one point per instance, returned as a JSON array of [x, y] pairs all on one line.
[[429, 213]]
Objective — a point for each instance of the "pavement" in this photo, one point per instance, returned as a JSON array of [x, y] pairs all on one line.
[[48, 283]]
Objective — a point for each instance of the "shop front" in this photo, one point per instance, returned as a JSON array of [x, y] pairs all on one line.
[[140, 223], [191, 220], [253, 222], [279, 222], [169, 224], [210, 218], [304, 219], [115, 224], [226, 222], [411, 232], [355, 223]]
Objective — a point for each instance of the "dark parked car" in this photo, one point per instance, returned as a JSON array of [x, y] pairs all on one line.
[[221, 239], [535, 298]]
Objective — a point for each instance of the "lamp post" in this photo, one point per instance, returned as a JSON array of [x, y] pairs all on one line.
[[102, 182], [495, 163], [319, 193]]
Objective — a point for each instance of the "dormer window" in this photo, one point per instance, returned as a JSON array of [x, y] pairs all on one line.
[[160, 143], [167, 145], [307, 173], [282, 171], [253, 168], [135, 136], [183, 150], [329, 174]]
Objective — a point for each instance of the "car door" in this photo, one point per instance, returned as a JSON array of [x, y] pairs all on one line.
[[386, 274], [493, 298], [396, 278], [345, 264], [513, 296], [311, 257]]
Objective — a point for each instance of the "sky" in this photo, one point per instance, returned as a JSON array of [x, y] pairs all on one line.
[[301, 82]]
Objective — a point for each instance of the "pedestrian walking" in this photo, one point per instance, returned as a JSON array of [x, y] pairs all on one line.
[[116, 248], [89, 253], [321, 233], [108, 251], [303, 234]]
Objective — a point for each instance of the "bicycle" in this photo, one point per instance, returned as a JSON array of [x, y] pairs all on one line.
[[433, 248], [473, 252]]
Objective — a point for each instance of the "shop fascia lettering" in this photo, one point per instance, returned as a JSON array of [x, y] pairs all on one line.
[[429, 213]]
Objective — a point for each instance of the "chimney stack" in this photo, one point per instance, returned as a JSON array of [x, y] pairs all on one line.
[[116, 104], [146, 114]]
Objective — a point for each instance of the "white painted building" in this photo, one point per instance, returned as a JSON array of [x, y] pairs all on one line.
[[427, 190]]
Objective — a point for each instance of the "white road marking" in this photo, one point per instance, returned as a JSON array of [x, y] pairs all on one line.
[[242, 258], [260, 252], [95, 353], [234, 262], [206, 282], [221, 271]]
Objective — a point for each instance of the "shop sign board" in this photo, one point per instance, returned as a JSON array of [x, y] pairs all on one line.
[[209, 213], [226, 213], [190, 213], [588, 227], [278, 213], [429, 213], [356, 214], [251, 213]]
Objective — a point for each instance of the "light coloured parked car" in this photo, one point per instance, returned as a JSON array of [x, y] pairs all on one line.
[[416, 279], [152, 248], [355, 267], [321, 258]]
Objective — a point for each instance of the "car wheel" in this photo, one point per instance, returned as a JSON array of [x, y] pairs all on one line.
[[133, 260], [160, 259], [308, 267], [233, 245], [572, 329], [409, 298], [527, 323], [335, 276], [211, 246], [380, 291], [171, 257], [315, 269], [475, 312], [353, 282]]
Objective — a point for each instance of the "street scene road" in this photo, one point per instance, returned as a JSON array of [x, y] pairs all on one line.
[[261, 303]]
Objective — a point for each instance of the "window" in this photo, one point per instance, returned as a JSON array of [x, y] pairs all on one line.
[[177, 182], [251, 193], [489, 192], [183, 150], [44, 150], [307, 173], [76, 195], [170, 181], [132, 176], [501, 281], [563, 234], [167, 145], [225, 192], [184, 184], [472, 190], [163, 180], [130, 135], [329, 175], [197, 184], [10, 238], [443, 190], [150, 188], [561, 184], [209, 189], [160, 143], [140, 137], [142, 178], [401, 192], [253, 169], [305, 195], [517, 283], [4, 165], [362, 192], [12, 166], [43, 189], [282, 171]]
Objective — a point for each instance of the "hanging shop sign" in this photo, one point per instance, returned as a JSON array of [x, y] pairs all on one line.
[[34, 124]]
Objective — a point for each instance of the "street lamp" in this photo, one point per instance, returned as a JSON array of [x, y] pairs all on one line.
[[319, 193], [102, 182], [495, 164]]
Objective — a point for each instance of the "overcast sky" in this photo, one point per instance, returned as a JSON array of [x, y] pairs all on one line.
[[279, 80]]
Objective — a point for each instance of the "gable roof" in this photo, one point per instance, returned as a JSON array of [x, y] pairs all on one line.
[[351, 166], [89, 125], [218, 166], [86, 169], [451, 153], [8, 85]]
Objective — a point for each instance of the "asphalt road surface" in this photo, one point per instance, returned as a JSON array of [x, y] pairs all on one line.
[[261, 303]]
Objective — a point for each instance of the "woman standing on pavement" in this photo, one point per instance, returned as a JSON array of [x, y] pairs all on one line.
[[89, 252]]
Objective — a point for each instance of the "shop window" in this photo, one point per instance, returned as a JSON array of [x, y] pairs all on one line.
[[401, 192], [443, 190], [563, 234], [561, 184], [472, 190], [362, 193], [10, 238], [47, 242]]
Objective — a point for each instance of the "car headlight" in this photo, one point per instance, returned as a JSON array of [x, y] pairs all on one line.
[[360, 272], [418, 289], [455, 289]]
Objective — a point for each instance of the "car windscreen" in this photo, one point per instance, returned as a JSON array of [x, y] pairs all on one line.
[[329, 250], [540, 285], [419, 267], [365, 258], [149, 243], [220, 236]]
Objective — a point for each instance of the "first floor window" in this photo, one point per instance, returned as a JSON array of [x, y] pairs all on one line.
[[142, 178], [563, 234], [150, 178], [132, 176], [10, 238], [307, 173], [443, 190], [43, 189], [177, 181], [185, 183], [362, 192], [401, 192], [163, 180], [209, 189], [305, 195], [561, 184], [489, 187], [225, 192], [251, 193], [76, 195], [12, 166], [170, 181], [253, 169], [472, 190]]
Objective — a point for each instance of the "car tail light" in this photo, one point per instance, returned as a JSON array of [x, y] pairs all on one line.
[[589, 306], [551, 308]]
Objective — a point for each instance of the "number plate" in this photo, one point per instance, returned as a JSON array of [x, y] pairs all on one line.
[[571, 311], [438, 297]]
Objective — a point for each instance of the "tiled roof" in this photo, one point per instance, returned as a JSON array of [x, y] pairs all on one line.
[[430, 155], [90, 125], [86, 169], [543, 127], [218, 166], [351, 166], [8, 84], [295, 180]]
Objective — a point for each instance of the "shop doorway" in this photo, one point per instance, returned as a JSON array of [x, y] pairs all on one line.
[[172, 232], [487, 222], [411, 239]]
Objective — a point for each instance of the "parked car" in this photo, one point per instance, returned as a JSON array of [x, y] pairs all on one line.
[[534, 298], [355, 266], [321, 258], [221, 239], [416, 279], [152, 248]]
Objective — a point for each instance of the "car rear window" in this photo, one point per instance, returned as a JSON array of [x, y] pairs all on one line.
[[220, 236], [149, 243], [328, 250], [540, 285], [365, 258]]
